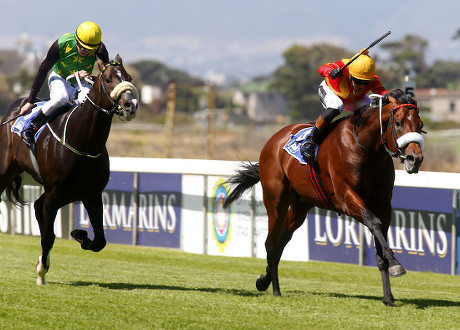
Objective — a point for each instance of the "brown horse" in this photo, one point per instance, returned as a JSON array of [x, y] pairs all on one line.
[[357, 171], [71, 159]]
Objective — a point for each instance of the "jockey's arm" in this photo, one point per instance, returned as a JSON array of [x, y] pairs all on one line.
[[47, 64], [326, 68]]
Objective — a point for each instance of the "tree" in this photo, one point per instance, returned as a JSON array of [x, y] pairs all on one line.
[[456, 36], [441, 74], [407, 56], [154, 72], [6, 94], [157, 73], [298, 79]]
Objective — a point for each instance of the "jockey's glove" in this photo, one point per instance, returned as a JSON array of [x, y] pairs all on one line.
[[335, 73]]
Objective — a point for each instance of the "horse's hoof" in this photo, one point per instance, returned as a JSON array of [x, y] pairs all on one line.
[[390, 303], [276, 293], [396, 271], [42, 269], [260, 285], [79, 235]]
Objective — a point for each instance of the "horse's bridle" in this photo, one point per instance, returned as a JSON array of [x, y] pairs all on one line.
[[403, 140], [397, 142], [116, 109]]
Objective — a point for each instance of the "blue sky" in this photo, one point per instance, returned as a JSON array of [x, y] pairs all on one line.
[[240, 38]]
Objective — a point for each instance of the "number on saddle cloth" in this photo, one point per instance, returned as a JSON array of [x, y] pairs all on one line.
[[292, 146]]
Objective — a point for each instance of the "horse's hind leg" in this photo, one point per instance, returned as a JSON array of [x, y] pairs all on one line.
[[276, 201], [94, 208], [280, 233]]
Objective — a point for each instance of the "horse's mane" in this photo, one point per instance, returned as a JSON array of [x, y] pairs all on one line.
[[397, 94], [402, 97]]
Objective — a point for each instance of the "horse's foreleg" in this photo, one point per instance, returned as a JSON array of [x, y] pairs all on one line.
[[378, 225], [94, 208], [45, 215], [382, 264], [385, 256], [42, 269]]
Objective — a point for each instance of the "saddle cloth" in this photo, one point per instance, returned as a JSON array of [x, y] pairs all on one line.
[[295, 141], [292, 147], [24, 121]]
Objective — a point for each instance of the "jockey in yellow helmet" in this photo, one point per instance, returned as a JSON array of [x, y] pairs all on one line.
[[342, 89], [72, 53]]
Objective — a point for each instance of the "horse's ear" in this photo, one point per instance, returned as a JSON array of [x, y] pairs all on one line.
[[392, 100], [414, 100], [118, 59]]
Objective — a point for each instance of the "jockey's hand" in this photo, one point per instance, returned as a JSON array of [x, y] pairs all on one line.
[[26, 108], [82, 74], [385, 99], [335, 73]]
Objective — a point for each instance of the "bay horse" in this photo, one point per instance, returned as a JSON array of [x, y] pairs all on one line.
[[71, 161], [357, 172]]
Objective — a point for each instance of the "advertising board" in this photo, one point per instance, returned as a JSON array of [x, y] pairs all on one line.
[[420, 232], [149, 216]]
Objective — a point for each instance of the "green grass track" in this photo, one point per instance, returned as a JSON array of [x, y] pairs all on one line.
[[124, 287]]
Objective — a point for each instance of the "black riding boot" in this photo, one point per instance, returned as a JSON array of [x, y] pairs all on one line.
[[307, 149], [35, 124]]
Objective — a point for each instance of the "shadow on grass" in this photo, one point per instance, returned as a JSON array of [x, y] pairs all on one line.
[[420, 303], [132, 286]]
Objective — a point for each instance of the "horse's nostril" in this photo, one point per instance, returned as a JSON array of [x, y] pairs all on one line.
[[128, 105]]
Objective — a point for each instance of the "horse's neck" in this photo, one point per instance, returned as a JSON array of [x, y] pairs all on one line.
[[368, 127], [93, 126]]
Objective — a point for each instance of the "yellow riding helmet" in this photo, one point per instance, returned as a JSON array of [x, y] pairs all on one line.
[[363, 67], [89, 35]]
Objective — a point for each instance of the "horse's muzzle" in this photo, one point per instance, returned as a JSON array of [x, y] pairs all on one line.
[[412, 158], [129, 106]]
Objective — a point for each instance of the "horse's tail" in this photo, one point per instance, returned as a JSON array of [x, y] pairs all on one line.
[[12, 191], [244, 179]]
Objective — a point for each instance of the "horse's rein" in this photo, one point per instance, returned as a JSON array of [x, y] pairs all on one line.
[[63, 140]]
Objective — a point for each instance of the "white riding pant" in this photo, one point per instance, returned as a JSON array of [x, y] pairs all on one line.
[[330, 100], [62, 92]]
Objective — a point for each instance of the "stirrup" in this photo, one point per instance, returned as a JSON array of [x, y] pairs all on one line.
[[307, 149], [28, 135]]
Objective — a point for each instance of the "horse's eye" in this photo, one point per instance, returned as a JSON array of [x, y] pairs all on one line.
[[398, 123]]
